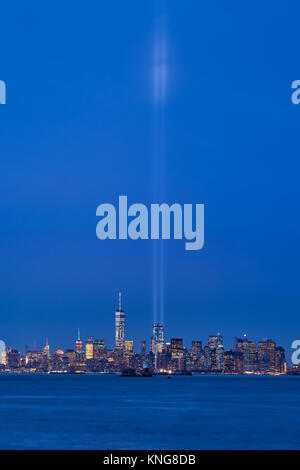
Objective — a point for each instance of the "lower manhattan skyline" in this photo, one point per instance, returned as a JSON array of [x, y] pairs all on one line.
[[108, 332], [149, 230], [69, 151], [157, 353]]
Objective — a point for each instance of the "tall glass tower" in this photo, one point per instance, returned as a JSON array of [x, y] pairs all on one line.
[[158, 338], [120, 326]]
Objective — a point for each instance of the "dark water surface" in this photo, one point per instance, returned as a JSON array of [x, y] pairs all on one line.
[[111, 412]]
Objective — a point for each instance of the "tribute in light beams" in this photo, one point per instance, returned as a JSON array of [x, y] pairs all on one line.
[[160, 70]]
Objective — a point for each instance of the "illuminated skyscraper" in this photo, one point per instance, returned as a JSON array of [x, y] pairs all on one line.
[[79, 354], [120, 326], [196, 350], [78, 343], [3, 358], [266, 355], [70, 354], [280, 364], [176, 348], [13, 358], [89, 348], [100, 350], [158, 339], [215, 340], [250, 361], [229, 361], [215, 357], [220, 357], [128, 347], [143, 347], [238, 345]]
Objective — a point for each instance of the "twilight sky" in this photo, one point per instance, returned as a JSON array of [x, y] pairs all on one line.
[[78, 130]]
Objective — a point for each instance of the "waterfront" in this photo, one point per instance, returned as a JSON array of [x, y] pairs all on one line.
[[187, 412]]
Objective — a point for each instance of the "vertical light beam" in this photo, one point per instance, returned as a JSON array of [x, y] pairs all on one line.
[[160, 75]]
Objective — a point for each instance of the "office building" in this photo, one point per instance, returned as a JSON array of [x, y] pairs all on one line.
[[89, 348], [176, 348], [143, 347], [158, 339], [120, 326]]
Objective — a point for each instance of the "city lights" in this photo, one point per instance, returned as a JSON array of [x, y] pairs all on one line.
[[162, 358]]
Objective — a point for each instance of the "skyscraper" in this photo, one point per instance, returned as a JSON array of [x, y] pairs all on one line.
[[158, 338], [220, 357], [176, 348], [129, 347], [79, 354], [250, 361], [229, 361], [78, 343], [99, 349], [89, 348], [215, 340], [215, 358], [280, 364], [143, 347], [120, 326], [266, 355], [196, 350], [2, 352], [238, 345]]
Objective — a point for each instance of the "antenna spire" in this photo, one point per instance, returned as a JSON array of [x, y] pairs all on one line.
[[120, 301], [78, 334]]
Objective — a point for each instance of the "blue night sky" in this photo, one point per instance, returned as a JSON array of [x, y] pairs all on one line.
[[77, 131]]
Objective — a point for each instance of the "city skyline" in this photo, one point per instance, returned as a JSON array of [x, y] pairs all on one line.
[[156, 349], [85, 134], [149, 247], [118, 338]]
